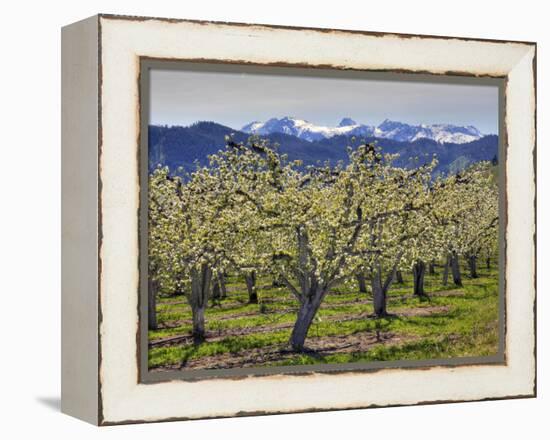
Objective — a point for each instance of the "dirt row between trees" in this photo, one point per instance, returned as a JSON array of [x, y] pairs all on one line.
[[229, 290], [217, 336], [315, 346], [365, 300], [328, 305]]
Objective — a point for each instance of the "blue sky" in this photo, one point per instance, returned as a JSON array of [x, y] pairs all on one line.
[[182, 97]]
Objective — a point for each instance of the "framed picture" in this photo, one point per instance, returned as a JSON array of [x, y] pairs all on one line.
[[262, 219]]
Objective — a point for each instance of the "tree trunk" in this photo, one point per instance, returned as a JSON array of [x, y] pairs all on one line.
[[199, 333], [306, 314], [201, 285], [216, 293], [455, 269], [362, 282], [446, 270], [277, 282], [472, 265], [419, 269], [488, 263], [399, 277], [250, 279], [431, 268], [379, 296], [152, 304], [380, 289], [223, 286], [310, 294]]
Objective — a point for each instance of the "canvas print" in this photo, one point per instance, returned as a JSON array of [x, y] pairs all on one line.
[[320, 218]]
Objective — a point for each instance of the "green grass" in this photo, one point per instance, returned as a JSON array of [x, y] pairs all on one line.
[[467, 324]]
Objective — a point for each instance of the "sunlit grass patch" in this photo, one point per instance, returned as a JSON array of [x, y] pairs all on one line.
[[451, 322]]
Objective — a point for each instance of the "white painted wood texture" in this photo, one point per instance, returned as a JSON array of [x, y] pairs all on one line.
[[79, 212]]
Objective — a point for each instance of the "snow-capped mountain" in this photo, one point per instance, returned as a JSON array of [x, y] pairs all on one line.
[[442, 133], [176, 146], [399, 131], [306, 130]]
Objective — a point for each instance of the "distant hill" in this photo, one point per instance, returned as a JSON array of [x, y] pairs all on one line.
[[175, 147]]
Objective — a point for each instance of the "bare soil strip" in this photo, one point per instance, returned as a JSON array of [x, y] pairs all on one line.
[[173, 324], [226, 333], [229, 289], [180, 322], [316, 346], [361, 299]]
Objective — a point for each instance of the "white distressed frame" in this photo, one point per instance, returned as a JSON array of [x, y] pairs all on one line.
[[122, 41]]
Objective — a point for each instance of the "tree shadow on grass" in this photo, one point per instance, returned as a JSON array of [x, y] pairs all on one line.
[[309, 352], [188, 354]]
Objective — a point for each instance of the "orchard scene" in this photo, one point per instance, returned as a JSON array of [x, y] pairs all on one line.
[[256, 260]]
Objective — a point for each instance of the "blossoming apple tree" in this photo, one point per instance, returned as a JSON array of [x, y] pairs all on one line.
[[253, 211]]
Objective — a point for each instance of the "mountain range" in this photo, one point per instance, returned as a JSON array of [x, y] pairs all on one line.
[[455, 146], [397, 131]]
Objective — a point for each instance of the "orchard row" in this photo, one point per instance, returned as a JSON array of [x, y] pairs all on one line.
[[251, 211]]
